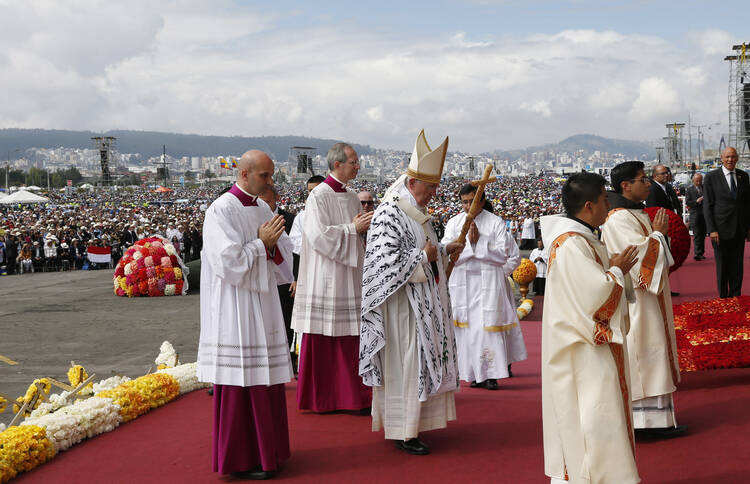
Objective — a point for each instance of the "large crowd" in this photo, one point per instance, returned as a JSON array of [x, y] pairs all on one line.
[[56, 235]]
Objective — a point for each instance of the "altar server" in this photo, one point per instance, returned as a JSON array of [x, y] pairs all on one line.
[[488, 335], [587, 429], [327, 302], [243, 347]]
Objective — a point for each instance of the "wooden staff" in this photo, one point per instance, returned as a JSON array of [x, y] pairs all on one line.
[[476, 208]]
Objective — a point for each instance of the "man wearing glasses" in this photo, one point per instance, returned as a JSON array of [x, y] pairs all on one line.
[[652, 350], [368, 203], [661, 193]]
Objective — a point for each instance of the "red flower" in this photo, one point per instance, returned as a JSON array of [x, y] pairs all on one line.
[[679, 237]]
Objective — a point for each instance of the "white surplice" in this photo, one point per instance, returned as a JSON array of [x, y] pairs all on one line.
[[407, 345], [528, 231], [488, 335], [541, 266], [295, 233], [242, 339], [329, 283], [654, 367], [587, 427]]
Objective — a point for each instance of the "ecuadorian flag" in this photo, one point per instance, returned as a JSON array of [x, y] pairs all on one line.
[[234, 163], [223, 163]]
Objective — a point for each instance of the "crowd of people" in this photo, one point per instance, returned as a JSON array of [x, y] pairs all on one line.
[[56, 235]]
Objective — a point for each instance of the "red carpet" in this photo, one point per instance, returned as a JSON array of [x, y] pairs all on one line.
[[497, 437]]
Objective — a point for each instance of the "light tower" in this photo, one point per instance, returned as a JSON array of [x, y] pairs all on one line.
[[302, 155], [105, 145], [162, 170], [674, 146], [739, 101]]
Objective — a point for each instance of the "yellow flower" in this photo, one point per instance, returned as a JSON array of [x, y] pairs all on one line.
[[137, 396], [23, 448], [31, 394], [525, 272], [3, 404], [77, 375]]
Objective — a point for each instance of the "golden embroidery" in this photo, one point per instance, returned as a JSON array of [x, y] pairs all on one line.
[[646, 274], [459, 324], [602, 332], [672, 366], [500, 329], [619, 356], [557, 243]]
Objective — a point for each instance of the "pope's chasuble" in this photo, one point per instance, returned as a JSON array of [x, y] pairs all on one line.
[[242, 338], [586, 413], [407, 346], [488, 335], [654, 368]]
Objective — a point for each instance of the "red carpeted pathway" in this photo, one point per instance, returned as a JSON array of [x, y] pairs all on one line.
[[497, 437]]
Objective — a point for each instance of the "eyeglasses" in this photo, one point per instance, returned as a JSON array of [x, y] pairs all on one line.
[[643, 179], [367, 202]]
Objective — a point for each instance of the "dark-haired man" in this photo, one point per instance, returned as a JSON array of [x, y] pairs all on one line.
[[488, 336], [588, 434], [654, 368], [661, 193], [726, 207]]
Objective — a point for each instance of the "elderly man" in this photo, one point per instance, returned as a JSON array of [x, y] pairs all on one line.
[[694, 202], [368, 203], [726, 207], [661, 193], [328, 296], [408, 348], [243, 345]]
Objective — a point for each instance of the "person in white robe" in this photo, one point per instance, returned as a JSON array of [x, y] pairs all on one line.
[[587, 428], [328, 296], [488, 334], [407, 344], [539, 257], [528, 233], [654, 367], [243, 344]]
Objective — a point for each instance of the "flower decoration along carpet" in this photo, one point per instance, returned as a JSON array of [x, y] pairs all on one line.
[[713, 334]]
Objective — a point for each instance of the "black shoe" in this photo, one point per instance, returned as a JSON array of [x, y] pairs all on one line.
[[211, 391], [365, 411], [413, 446], [475, 385], [254, 474], [674, 294], [510, 373], [491, 384], [665, 432]]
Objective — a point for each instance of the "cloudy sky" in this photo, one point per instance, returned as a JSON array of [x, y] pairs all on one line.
[[491, 74]]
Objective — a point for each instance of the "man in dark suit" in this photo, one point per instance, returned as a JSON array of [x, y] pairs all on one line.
[[726, 195], [662, 194], [694, 202], [271, 197]]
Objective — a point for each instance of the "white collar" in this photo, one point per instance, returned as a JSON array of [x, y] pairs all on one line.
[[246, 193], [726, 172]]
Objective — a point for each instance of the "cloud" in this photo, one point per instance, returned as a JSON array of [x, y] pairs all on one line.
[[232, 70]]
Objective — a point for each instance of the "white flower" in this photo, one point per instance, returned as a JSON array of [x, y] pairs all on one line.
[[167, 355], [137, 255], [110, 383], [2, 427], [170, 290], [186, 376], [128, 269], [170, 249]]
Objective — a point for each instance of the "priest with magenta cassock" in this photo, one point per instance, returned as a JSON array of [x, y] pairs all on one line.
[[243, 347], [407, 345], [587, 427]]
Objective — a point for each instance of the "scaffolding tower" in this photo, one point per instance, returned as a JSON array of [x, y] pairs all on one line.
[[105, 145], [739, 101], [674, 146], [303, 156], [162, 167]]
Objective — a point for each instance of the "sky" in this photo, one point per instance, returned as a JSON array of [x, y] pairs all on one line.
[[500, 74]]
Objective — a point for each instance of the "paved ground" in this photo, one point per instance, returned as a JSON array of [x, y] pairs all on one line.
[[47, 320]]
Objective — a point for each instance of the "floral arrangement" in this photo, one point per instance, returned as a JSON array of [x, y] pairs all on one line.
[[713, 334], [23, 448], [138, 396], [150, 267], [77, 375], [525, 272], [525, 308], [110, 383], [31, 395], [679, 237], [167, 356], [186, 376]]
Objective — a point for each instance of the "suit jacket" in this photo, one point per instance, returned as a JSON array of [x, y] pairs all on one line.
[[728, 216], [695, 208], [657, 197], [288, 219]]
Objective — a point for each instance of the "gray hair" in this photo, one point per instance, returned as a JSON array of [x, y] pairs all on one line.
[[336, 153]]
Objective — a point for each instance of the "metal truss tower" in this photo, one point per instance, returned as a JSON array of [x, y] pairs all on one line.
[[674, 146], [303, 156], [104, 145], [739, 100]]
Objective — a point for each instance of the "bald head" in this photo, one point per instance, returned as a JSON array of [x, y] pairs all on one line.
[[697, 179], [729, 158], [254, 171]]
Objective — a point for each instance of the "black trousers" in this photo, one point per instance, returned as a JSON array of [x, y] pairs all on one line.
[[729, 260], [698, 226], [539, 285]]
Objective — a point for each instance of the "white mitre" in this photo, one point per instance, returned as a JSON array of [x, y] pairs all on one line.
[[425, 164]]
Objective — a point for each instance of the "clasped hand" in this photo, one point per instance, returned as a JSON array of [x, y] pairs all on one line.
[[625, 260], [271, 230]]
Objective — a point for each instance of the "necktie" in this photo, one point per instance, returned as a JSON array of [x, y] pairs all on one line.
[[732, 185]]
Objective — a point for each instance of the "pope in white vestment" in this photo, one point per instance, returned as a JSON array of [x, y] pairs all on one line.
[[488, 335], [327, 302], [654, 367], [243, 347], [407, 345]]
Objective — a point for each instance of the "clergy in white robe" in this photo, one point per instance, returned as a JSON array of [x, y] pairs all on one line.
[[587, 429], [328, 297], [488, 334], [654, 367], [407, 345], [539, 257], [528, 233], [243, 346]]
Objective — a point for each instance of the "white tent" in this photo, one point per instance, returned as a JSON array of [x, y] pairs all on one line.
[[32, 187], [22, 196], [3, 194]]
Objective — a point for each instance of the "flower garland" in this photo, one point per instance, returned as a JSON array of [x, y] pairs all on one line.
[[713, 334], [23, 448], [77, 375], [525, 308], [150, 267], [138, 396], [186, 376], [110, 383]]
